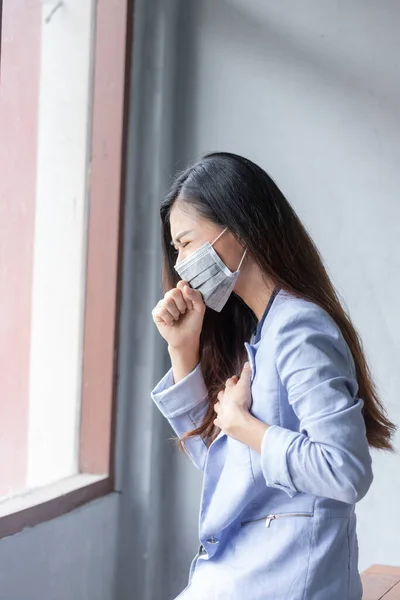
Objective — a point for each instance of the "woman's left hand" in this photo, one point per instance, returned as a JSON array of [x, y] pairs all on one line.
[[234, 401], [233, 415]]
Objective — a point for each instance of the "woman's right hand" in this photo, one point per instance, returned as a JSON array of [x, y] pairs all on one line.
[[179, 317]]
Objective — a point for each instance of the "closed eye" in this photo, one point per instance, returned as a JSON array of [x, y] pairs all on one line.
[[182, 245]]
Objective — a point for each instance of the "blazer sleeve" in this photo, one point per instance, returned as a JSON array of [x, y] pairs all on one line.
[[329, 455], [184, 404]]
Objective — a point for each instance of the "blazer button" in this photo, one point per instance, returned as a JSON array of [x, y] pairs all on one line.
[[212, 540]]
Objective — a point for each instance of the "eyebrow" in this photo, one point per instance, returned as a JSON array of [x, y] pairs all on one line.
[[178, 237]]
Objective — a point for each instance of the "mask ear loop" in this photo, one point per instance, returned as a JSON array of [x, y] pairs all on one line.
[[244, 253], [241, 260], [217, 238]]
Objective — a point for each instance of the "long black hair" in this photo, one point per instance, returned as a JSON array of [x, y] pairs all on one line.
[[231, 191]]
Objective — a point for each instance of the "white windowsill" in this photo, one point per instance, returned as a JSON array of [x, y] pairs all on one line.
[[30, 498]]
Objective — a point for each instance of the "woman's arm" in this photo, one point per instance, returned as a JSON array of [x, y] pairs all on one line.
[[329, 456], [181, 395], [182, 398]]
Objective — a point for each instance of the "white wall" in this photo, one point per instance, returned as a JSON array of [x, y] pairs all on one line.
[[311, 91]]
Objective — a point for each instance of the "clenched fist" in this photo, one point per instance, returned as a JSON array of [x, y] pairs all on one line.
[[179, 316]]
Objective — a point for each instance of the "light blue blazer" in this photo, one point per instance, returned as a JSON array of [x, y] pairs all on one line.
[[280, 524]]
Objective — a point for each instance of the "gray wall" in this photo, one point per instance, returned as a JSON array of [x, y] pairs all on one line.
[[69, 558], [311, 91], [160, 490]]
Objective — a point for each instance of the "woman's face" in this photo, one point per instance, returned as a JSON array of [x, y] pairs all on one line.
[[189, 231]]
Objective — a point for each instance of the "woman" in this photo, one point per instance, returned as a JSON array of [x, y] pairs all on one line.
[[269, 390]]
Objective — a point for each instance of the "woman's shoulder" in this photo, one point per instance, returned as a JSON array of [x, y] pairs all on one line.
[[299, 322], [301, 318], [297, 310]]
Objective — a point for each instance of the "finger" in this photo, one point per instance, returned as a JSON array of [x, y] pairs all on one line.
[[163, 315], [176, 296], [181, 285], [169, 303], [245, 376], [231, 381], [195, 297], [157, 316]]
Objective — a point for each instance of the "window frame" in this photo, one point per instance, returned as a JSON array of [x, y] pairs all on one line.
[[113, 45]]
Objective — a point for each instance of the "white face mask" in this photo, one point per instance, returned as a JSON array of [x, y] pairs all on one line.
[[206, 272]]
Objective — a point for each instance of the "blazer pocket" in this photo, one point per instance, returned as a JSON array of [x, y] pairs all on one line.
[[272, 517], [274, 544]]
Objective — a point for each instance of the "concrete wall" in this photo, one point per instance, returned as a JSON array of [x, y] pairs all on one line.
[[160, 489], [72, 557], [311, 91]]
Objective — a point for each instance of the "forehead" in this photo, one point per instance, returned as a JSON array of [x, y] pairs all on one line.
[[184, 217]]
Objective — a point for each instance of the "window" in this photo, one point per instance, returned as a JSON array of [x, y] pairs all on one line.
[[62, 93]]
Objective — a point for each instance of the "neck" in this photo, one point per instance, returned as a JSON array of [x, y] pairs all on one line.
[[254, 289]]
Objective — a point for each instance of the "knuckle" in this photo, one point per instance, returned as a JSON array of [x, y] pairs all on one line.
[[170, 301]]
